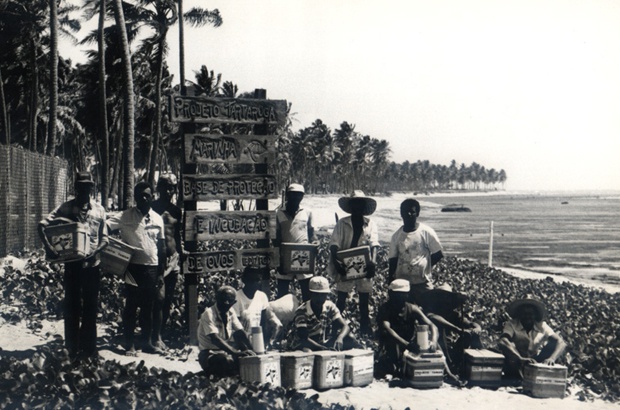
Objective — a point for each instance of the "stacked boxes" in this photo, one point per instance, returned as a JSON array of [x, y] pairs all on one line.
[[483, 367], [355, 261], [358, 367], [424, 370], [544, 381], [297, 368], [298, 257], [328, 370], [261, 368], [116, 256], [69, 240]]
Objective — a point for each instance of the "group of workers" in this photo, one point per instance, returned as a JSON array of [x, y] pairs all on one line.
[[225, 329]]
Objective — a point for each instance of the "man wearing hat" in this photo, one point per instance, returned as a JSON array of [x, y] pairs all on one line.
[[354, 231], [527, 338], [397, 321], [221, 338], [414, 250], [172, 217], [81, 280], [293, 225], [318, 324]]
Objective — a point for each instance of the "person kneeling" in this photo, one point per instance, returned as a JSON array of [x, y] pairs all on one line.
[[318, 324], [221, 337], [527, 338], [398, 320]]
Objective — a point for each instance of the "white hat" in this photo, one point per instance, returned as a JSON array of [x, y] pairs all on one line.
[[319, 284], [399, 285], [369, 203], [296, 188]]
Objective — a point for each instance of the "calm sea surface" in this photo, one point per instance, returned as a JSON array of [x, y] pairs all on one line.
[[575, 235]]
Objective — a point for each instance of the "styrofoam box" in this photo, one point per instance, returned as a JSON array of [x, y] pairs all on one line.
[[297, 368], [483, 367], [328, 370], [116, 256], [545, 381], [264, 368], [69, 240], [359, 367], [298, 257]]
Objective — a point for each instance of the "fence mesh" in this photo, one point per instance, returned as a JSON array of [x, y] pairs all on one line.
[[31, 185]]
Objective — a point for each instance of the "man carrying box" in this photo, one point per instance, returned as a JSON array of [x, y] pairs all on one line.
[[354, 231], [81, 280]]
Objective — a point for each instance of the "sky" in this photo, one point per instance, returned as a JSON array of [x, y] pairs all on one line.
[[528, 86]]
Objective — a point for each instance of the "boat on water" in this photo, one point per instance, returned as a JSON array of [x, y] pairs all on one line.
[[455, 208]]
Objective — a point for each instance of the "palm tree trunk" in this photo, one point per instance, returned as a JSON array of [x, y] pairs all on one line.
[[34, 99], [103, 109], [157, 134], [5, 117], [129, 106], [53, 108], [181, 49]]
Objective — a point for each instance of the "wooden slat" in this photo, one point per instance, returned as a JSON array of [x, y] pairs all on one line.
[[208, 262], [250, 225], [241, 186], [230, 149], [227, 110]]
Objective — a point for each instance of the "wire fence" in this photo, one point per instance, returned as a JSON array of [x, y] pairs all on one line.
[[31, 185]]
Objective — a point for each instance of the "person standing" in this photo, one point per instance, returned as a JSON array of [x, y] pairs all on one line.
[[81, 278], [142, 228], [293, 225], [172, 217], [414, 250], [350, 232]]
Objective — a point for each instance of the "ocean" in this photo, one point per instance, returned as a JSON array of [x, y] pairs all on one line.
[[572, 234]]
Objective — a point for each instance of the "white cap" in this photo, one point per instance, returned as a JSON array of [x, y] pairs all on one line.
[[319, 284], [399, 285], [296, 188]]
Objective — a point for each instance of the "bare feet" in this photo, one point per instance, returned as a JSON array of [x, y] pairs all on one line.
[[149, 348], [160, 345], [131, 351]]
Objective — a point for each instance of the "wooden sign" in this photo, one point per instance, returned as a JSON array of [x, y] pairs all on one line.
[[229, 149], [243, 186], [239, 259], [251, 225], [227, 110]]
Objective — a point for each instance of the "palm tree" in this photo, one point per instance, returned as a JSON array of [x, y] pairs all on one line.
[[129, 105]]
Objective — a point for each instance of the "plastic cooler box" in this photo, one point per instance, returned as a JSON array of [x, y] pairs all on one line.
[[359, 367], [116, 256], [483, 367], [296, 369], [355, 261], [264, 368], [424, 371], [297, 257], [544, 381], [69, 240], [328, 370]]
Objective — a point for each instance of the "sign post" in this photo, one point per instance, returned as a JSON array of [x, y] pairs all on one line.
[[256, 151]]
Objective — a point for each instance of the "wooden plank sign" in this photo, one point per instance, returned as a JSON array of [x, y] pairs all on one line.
[[227, 110], [239, 186], [251, 225], [230, 149], [207, 262]]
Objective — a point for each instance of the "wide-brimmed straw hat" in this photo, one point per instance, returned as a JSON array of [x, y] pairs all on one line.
[[514, 307], [370, 203]]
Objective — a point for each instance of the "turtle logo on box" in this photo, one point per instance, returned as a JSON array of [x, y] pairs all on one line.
[[305, 372], [300, 260], [271, 373], [334, 371], [62, 242], [355, 266]]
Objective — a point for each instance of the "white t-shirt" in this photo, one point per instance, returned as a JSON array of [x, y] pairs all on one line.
[[249, 311], [414, 250]]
